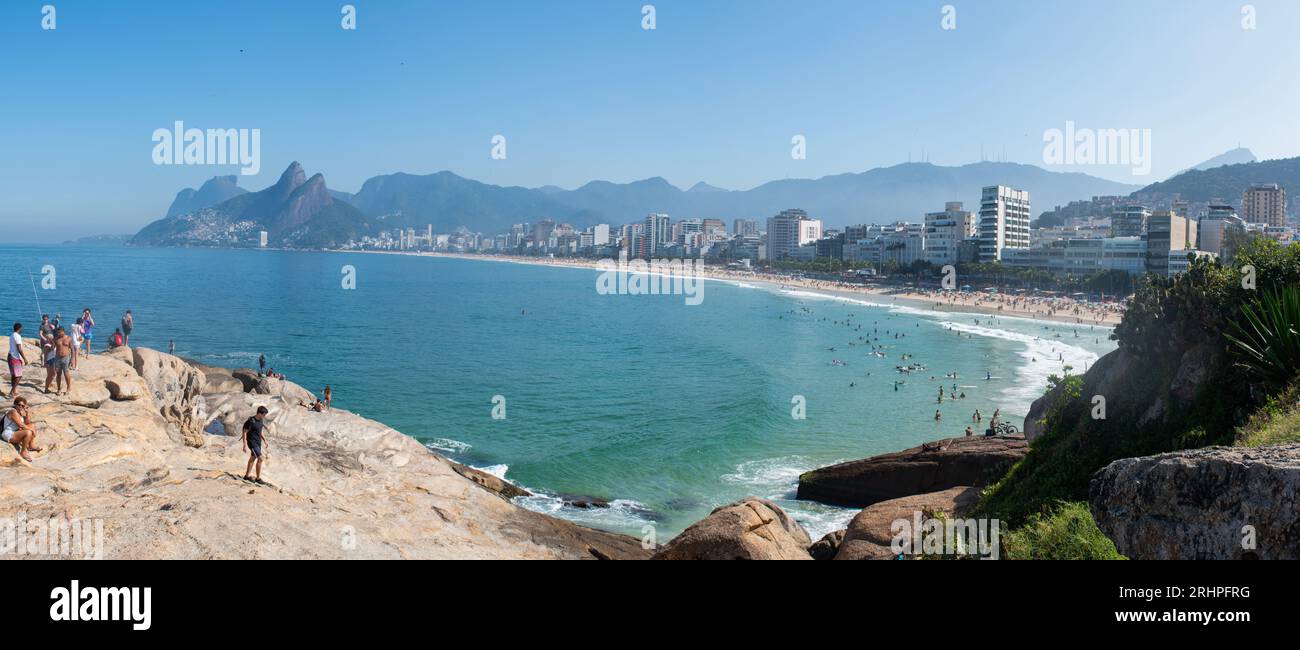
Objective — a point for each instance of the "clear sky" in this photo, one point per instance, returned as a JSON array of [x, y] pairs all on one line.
[[582, 92]]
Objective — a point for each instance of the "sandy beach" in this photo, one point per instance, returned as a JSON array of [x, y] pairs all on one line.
[[1051, 308]]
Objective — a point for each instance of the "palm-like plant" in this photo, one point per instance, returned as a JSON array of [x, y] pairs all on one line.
[[1266, 338]]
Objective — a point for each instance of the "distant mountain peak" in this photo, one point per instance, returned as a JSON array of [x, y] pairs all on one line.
[[705, 187], [293, 177], [1231, 157], [213, 191]]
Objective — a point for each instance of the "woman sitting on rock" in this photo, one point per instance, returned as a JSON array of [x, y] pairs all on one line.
[[18, 429]]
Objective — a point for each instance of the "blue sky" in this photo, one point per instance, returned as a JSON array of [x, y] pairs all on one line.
[[581, 92]]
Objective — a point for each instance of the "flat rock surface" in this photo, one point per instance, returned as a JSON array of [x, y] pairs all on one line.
[[343, 486]]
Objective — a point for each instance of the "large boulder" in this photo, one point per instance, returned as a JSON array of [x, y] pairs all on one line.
[[931, 467], [246, 376], [749, 529], [177, 388], [869, 534], [218, 380], [826, 547], [1196, 504], [494, 484]]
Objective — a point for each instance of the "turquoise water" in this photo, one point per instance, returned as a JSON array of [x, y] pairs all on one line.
[[667, 409]]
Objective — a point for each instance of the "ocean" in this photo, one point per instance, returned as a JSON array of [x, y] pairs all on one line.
[[665, 409]]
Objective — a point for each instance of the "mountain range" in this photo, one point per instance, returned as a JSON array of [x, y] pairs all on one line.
[[301, 212], [449, 201]]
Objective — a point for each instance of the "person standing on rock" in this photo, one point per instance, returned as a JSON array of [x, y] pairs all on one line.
[[128, 324], [63, 351], [16, 359], [329, 396], [87, 329], [78, 338], [253, 435], [261, 365]]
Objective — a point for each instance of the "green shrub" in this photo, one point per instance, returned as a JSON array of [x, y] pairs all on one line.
[[1276, 423], [1066, 532], [1266, 338]]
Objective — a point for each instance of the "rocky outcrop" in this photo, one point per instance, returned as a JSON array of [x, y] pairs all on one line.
[[176, 388], [1196, 504], [932, 467], [869, 534], [826, 547], [1114, 377], [340, 486], [247, 377], [749, 529], [496, 485]]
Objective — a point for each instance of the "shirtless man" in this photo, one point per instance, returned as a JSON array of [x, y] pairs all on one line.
[[63, 351]]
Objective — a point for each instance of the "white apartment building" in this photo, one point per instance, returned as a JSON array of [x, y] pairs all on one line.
[[789, 230], [1004, 221], [944, 232]]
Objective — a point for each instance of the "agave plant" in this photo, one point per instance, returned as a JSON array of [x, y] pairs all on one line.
[[1266, 338]]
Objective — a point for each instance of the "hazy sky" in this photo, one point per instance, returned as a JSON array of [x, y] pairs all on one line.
[[582, 92]]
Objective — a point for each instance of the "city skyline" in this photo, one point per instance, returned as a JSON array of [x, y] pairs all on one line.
[[356, 104]]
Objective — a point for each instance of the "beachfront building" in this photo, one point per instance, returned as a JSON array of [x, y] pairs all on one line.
[[1082, 256], [945, 231], [656, 233], [1090, 229], [1129, 221], [1004, 221], [261, 238], [1264, 203], [789, 230], [904, 246]]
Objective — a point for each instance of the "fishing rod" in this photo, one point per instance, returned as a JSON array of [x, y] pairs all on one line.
[[35, 294]]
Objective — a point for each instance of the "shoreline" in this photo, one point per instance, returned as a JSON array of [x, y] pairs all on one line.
[[1040, 309]]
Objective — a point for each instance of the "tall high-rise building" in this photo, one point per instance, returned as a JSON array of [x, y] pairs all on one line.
[[656, 233], [944, 232], [789, 230], [600, 234], [1264, 203], [743, 227], [1129, 221], [542, 233], [1004, 221]]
